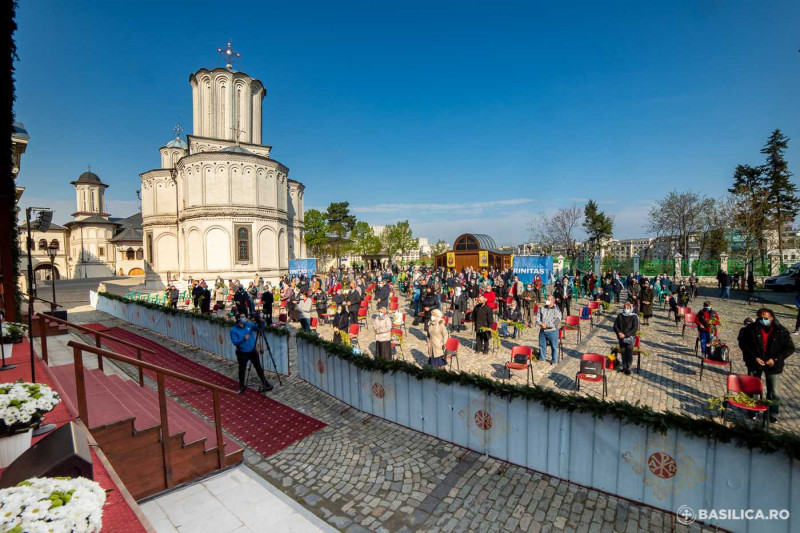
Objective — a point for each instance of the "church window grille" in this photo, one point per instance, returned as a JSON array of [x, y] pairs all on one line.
[[139, 253], [243, 244], [130, 254], [93, 200]]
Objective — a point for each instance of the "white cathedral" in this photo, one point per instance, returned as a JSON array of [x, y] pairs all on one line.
[[220, 205]]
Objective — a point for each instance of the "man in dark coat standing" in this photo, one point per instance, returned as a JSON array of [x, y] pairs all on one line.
[[563, 295], [625, 326], [483, 318], [267, 300], [382, 294], [765, 346], [353, 302]]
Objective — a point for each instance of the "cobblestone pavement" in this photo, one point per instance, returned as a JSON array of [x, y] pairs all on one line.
[[362, 473], [668, 379]]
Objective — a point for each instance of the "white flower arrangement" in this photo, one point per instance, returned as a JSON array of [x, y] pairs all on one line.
[[23, 404], [13, 332], [52, 505]]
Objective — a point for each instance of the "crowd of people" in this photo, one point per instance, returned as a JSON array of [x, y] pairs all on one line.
[[446, 301]]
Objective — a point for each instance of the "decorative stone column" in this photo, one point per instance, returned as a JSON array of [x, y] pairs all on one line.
[[677, 258], [597, 260], [774, 263], [635, 263], [559, 268], [723, 261], [693, 256]]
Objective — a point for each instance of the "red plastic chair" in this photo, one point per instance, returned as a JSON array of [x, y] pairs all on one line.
[[527, 351], [353, 334], [713, 362], [583, 376], [397, 340], [752, 386], [393, 306], [573, 323], [393, 299], [595, 307], [451, 352], [637, 350], [689, 321], [283, 318], [362, 317], [682, 313]]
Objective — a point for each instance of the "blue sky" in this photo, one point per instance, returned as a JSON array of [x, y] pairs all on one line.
[[459, 116]]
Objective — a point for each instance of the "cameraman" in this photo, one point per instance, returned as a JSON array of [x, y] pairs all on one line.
[[244, 335]]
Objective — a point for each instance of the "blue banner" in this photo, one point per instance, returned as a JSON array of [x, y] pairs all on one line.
[[527, 266], [302, 266]]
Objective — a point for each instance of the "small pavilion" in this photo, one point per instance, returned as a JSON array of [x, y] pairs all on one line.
[[468, 249]]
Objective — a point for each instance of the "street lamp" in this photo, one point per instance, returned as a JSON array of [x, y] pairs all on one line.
[[42, 223], [52, 251]]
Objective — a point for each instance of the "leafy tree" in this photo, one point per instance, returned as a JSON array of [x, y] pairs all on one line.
[[784, 203], [679, 215], [363, 240], [558, 230], [597, 224], [316, 233], [747, 209], [397, 239], [439, 247], [340, 224]]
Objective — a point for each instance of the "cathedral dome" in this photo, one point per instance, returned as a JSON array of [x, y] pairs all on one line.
[[177, 142], [236, 149], [89, 178]]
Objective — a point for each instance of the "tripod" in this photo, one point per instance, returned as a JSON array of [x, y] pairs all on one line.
[[260, 337]]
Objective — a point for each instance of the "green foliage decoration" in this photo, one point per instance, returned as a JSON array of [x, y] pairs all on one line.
[[641, 415]]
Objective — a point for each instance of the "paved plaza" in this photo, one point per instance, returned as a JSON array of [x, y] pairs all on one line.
[[361, 473], [668, 379]]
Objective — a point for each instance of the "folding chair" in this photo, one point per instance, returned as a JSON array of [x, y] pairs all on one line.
[[596, 308], [593, 368], [353, 334], [689, 321], [573, 323], [362, 317], [397, 340], [393, 306], [713, 362], [527, 352], [451, 352], [750, 385], [586, 314]]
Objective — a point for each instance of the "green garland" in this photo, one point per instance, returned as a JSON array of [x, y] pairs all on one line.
[[642, 415], [221, 321]]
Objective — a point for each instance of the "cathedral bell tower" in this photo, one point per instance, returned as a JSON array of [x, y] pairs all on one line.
[[90, 196]]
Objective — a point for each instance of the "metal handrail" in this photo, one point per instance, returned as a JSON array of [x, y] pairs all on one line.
[[52, 304], [83, 409]]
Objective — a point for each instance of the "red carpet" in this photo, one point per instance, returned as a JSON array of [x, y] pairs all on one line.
[[262, 423], [117, 515]]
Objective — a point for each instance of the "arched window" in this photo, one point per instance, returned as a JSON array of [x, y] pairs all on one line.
[[467, 242], [139, 253], [55, 244], [130, 254], [43, 244], [93, 202], [243, 244]]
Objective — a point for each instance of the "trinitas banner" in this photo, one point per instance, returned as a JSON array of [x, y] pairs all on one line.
[[307, 267], [528, 266]]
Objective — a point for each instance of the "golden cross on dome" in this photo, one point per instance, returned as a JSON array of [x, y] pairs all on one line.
[[229, 55]]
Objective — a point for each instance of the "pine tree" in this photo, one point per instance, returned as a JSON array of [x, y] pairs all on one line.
[[784, 204], [597, 224]]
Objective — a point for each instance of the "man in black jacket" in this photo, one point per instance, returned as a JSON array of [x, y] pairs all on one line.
[[353, 302], [482, 318], [625, 326], [765, 346], [267, 301], [428, 302], [563, 295], [382, 294]]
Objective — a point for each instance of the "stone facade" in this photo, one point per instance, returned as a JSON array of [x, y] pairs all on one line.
[[219, 205]]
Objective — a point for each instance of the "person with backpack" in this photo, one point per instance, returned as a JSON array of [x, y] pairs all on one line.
[[765, 345]]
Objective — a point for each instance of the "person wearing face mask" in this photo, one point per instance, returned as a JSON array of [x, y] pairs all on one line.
[[341, 322], [459, 307], [549, 320], [765, 345], [383, 339], [705, 326], [646, 297], [563, 296], [244, 335], [625, 326], [482, 317]]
